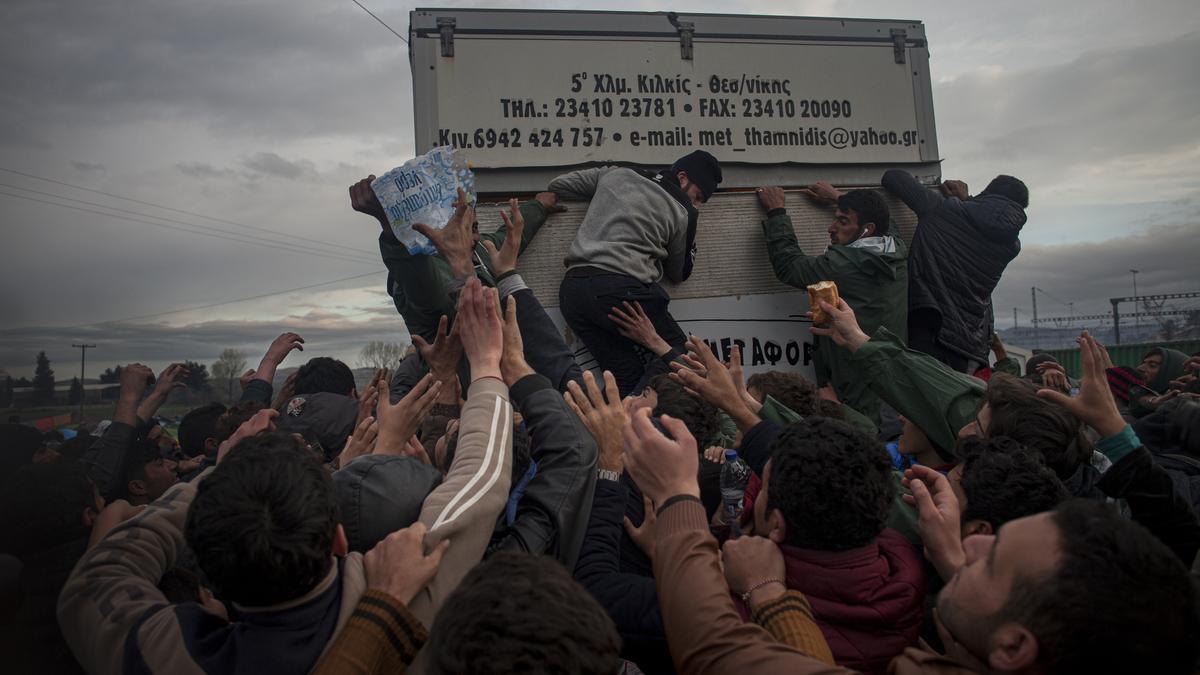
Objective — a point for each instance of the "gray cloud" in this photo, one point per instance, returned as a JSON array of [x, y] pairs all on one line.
[[275, 68], [1096, 116], [88, 166], [203, 170], [1090, 273], [274, 165]]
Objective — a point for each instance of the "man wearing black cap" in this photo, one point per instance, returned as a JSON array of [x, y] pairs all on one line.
[[638, 228]]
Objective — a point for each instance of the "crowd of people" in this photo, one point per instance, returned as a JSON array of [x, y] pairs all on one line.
[[490, 507]]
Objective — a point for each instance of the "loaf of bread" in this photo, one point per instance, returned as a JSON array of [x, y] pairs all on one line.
[[822, 290]]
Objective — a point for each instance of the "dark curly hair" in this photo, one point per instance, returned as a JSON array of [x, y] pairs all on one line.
[[324, 374], [700, 416], [238, 414], [870, 207], [1038, 424], [1116, 585], [791, 389], [1003, 480], [522, 613], [830, 409], [833, 484], [199, 425], [262, 524]]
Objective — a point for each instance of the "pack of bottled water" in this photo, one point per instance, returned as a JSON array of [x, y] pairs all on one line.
[[423, 190]]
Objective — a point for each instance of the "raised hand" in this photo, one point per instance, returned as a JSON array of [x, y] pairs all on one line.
[[456, 240], [505, 259], [643, 535], [939, 518], [754, 563], [843, 326], [1094, 405], [445, 352], [739, 378], [770, 197], [662, 467], [134, 379], [1054, 376], [549, 201], [170, 379], [603, 414], [955, 188], [822, 192], [263, 420], [513, 366], [370, 396], [480, 329], [363, 200], [716, 385], [398, 565], [285, 392], [635, 324], [359, 443], [282, 346], [399, 421], [244, 380]]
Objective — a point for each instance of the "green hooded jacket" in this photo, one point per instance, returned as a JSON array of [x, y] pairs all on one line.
[[874, 284], [417, 283]]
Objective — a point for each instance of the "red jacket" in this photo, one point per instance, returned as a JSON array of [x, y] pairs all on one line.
[[868, 601]]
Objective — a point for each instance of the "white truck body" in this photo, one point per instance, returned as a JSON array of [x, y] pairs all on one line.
[[528, 95]]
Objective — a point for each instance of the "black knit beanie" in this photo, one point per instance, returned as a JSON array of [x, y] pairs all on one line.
[[702, 169]]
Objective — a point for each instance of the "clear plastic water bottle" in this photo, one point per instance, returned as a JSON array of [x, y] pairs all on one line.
[[735, 474]]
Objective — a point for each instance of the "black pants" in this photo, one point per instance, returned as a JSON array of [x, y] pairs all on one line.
[[923, 328], [585, 301]]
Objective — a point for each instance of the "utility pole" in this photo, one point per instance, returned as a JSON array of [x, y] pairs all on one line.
[[82, 364], [1136, 310], [1033, 293], [1014, 318]]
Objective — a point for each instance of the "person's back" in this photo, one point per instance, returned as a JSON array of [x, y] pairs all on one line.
[[633, 226], [638, 228], [827, 492], [263, 528], [959, 251]]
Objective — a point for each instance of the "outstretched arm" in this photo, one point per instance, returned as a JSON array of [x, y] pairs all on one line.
[[791, 264], [917, 197], [580, 184]]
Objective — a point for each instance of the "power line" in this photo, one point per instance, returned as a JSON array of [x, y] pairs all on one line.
[[273, 242], [380, 21], [175, 210], [285, 247], [224, 302]]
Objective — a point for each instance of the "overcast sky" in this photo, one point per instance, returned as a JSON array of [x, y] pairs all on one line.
[[261, 113]]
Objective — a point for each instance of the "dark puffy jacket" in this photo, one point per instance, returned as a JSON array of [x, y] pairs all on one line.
[[958, 253]]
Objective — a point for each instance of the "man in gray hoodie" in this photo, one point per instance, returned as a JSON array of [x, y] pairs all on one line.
[[638, 227]]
